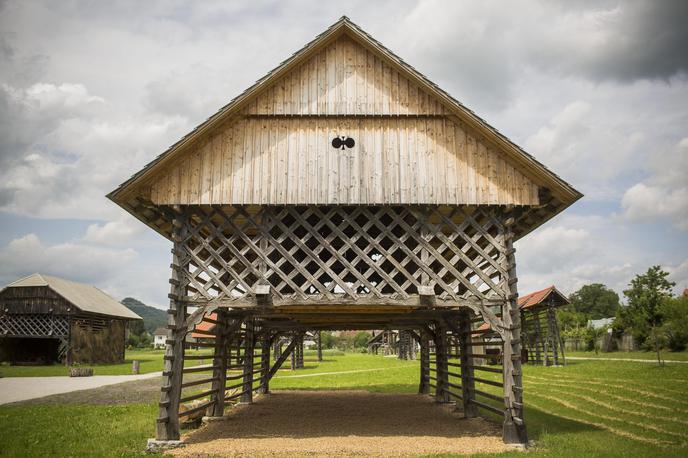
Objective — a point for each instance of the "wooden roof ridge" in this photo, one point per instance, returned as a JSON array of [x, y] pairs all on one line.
[[537, 297], [559, 188]]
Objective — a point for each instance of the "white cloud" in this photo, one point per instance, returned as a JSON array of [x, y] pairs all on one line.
[[664, 194], [27, 254], [49, 96], [679, 275], [645, 203], [122, 231]]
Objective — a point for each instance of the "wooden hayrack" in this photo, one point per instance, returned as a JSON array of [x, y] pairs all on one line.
[[344, 191]]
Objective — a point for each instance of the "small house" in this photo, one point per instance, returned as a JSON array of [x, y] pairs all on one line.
[[46, 319], [159, 337]]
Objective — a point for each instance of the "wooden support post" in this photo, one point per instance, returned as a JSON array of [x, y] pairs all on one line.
[[552, 335], [546, 345], [539, 343], [470, 409], [277, 348], [514, 430], [168, 416], [441, 360], [217, 409], [249, 342], [557, 337], [402, 345], [264, 387], [320, 358], [299, 353], [424, 385], [293, 353], [526, 349], [283, 357]]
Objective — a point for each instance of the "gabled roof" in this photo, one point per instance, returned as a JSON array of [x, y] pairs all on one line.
[[564, 193], [539, 297], [160, 332], [85, 297]]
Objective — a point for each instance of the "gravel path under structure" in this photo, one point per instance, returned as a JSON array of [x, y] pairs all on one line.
[[342, 423]]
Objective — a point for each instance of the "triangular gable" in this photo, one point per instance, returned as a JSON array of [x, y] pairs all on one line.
[[345, 77], [390, 85]]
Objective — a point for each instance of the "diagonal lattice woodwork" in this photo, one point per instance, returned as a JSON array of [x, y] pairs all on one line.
[[33, 325], [355, 253]]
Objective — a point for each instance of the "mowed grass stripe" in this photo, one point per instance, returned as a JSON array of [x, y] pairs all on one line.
[[634, 383], [621, 427], [605, 393], [614, 408], [604, 426], [641, 404], [647, 394]]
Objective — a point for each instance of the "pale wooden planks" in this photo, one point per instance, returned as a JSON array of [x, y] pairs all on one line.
[[395, 160], [344, 78], [278, 151]]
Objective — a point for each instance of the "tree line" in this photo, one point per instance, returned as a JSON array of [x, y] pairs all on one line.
[[652, 314]]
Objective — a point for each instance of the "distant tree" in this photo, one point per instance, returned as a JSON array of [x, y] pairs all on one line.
[[594, 301], [569, 320], [361, 339], [328, 340], [674, 312], [137, 327], [646, 294]]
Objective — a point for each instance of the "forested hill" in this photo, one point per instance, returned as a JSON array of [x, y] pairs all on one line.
[[152, 318]]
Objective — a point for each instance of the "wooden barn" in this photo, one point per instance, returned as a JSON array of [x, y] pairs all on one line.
[[540, 329], [45, 319], [344, 191]]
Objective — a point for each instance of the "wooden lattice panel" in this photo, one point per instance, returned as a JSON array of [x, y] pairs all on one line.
[[35, 325], [342, 253]]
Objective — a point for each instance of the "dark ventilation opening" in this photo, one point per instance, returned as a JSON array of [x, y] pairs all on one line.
[[29, 351]]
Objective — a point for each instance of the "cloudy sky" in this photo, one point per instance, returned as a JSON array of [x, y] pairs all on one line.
[[91, 91]]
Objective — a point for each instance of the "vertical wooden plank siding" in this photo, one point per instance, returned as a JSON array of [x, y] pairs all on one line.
[[395, 160], [277, 149]]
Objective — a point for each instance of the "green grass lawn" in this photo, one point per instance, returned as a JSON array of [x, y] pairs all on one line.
[[648, 355], [151, 361], [588, 408]]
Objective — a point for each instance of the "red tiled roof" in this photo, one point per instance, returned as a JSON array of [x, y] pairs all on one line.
[[204, 326], [533, 299]]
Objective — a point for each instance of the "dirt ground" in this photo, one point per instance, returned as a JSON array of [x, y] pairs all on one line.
[[342, 423]]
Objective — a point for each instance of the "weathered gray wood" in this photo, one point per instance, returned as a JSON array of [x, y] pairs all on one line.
[[467, 373], [173, 365], [319, 343], [264, 387], [217, 409], [424, 387], [441, 359], [283, 357], [249, 342], [514, 429]]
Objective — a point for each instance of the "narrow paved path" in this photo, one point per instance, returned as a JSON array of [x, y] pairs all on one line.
[[14, 389], [634, 360]]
